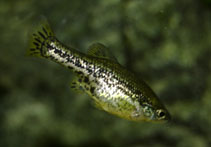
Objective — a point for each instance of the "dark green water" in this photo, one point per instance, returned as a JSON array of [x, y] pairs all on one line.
[[167, 43]]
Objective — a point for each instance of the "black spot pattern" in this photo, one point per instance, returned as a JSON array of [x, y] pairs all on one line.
[[92, 89], [86, 79], [56, 51], [44, 31], [70, 67], [41, 34], [79, 72]]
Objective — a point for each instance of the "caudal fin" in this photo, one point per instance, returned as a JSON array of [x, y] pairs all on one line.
[[38, 37]]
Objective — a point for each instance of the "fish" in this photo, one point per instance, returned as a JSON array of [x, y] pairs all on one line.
[[110, 85]]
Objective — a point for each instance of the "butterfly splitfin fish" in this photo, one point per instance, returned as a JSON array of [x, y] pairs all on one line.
[[111, 86]]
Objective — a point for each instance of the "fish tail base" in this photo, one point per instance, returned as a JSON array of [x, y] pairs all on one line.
[[38, 38]]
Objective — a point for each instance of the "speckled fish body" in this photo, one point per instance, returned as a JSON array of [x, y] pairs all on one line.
[[113, 88]]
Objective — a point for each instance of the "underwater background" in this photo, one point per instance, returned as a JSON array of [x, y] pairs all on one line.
[[166, 43]]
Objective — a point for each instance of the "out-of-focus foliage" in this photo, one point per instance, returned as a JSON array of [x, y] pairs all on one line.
[[167, 43]]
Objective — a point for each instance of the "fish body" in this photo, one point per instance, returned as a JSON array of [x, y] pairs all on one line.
[[113, 88]]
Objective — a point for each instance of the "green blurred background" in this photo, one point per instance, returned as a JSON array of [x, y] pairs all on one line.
[[167, 43]]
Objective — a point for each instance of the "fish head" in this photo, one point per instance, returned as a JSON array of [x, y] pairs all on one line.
[[152, 111]]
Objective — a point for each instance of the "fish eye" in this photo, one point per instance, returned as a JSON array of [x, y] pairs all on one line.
[[161, 113]]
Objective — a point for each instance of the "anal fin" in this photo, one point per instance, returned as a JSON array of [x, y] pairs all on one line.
[[76, 85]]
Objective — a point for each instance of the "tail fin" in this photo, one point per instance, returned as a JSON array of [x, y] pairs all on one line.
[[37, 39]]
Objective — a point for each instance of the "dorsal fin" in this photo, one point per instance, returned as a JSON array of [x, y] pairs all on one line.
[[101, 51]]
